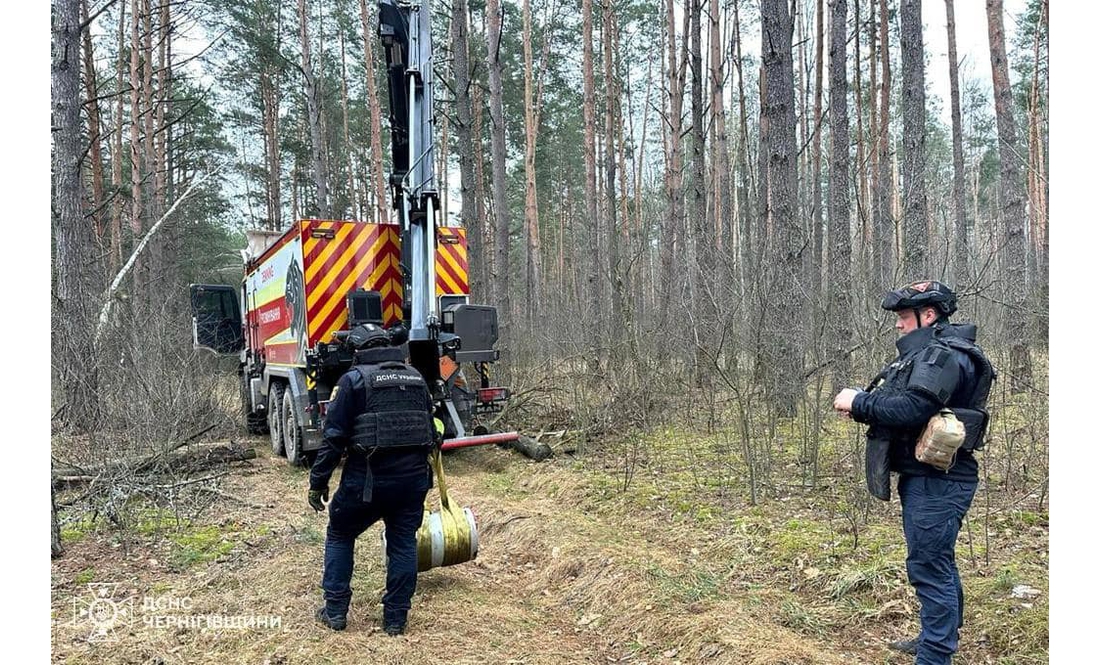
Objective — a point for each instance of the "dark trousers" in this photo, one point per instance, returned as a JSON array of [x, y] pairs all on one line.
[[932, 511], [399, 503]]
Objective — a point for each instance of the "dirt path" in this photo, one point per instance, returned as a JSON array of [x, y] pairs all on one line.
[[557, 580]]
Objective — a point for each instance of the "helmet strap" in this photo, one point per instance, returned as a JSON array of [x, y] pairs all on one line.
[[916, 313]]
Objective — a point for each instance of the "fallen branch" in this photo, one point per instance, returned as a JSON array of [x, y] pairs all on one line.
[[109, 296]]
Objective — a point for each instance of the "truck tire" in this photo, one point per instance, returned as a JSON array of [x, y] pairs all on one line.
[[292, 432], [254, 421], [275, 417]]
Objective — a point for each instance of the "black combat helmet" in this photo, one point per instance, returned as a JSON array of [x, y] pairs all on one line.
[[368, 335], [922, 294]]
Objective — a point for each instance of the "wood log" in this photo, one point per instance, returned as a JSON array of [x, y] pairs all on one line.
[[532, 448]]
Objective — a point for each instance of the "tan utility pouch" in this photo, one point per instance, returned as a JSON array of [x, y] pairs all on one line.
[[940, 439]]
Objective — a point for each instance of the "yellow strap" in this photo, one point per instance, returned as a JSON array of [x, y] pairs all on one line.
[[436, 460]]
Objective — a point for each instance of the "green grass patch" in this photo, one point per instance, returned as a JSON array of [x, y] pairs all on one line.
[[694, 585], [77, 529], [85, 576], [309, 534], [878, 576], [199, 545], [793, 614]]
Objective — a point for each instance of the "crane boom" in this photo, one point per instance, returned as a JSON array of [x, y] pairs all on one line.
[[405, 31]]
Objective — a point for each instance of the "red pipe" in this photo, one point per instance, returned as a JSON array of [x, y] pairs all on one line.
[[484, 439]]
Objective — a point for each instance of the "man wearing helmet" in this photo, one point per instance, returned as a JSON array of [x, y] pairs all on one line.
[[380, 415], [938, 366]]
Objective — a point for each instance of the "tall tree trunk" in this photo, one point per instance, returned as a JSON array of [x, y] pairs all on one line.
[[612, 216], [784, 316], [962, 229], [349, 152], [95, 133], [502, 272], [313, 108], [882, 186], [674, 170], [114, 256], [530, 188], [840, 249], [485, 268], [591, 201], [377, 165], [745, 186], [1037, 180], [701, 246], [915, 200], [816, 274], [720, 143], [1015, 292], [138, 167], [72, 355], [863, 201], [460, 65]]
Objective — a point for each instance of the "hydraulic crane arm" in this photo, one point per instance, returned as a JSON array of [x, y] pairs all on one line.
[[405, 30]]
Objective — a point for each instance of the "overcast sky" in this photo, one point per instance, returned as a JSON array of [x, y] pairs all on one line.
[[971, 41]]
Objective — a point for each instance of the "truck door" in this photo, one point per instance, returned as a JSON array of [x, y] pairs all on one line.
[[216, 318]]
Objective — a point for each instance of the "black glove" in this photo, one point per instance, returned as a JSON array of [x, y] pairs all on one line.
[[316, 497]]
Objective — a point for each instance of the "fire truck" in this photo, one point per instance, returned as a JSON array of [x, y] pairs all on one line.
[[305, 288]]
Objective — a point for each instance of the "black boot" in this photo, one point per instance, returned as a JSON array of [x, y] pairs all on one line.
[[393, 623], [335, 622], [905, 646]]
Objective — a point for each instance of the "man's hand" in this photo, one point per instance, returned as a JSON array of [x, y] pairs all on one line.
[[437, 432], [317, 499], [843, 401]]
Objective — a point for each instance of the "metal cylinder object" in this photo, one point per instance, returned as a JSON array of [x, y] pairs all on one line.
[[447, 536]]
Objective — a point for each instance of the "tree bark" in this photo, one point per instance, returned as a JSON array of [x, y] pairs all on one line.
[[721, 195], [1012, 197], [502, 271], [784, 314], [840, 249], [962, 228], [670, 247], [114, 256], [915, 202], [883, 268], [349, 152], [460, 66], [530, 188], [313, 108], [73, 356], [590, 195], [613, 216], [377, 165], [816, 275], [95, 133]]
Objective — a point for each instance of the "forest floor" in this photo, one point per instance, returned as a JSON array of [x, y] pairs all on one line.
[[578, 563]]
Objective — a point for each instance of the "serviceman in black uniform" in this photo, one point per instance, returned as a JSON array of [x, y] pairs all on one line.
[[938, 365], [380, 415]]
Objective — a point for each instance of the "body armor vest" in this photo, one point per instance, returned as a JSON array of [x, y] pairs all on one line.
[[398, 410]]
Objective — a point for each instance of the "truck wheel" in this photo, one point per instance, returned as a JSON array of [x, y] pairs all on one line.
[[292, 433], [275, 417], [254, 422]]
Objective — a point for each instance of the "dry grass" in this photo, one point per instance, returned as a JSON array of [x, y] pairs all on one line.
[[571, 570]]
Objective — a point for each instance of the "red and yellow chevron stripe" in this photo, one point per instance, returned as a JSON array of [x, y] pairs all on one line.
[[451, 267], [339, 257]]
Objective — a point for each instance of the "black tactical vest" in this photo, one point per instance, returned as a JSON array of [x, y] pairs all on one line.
[[895, 378], [398, 411]]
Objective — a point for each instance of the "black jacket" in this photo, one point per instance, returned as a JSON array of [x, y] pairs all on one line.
[[350, 400], [899, 413]]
